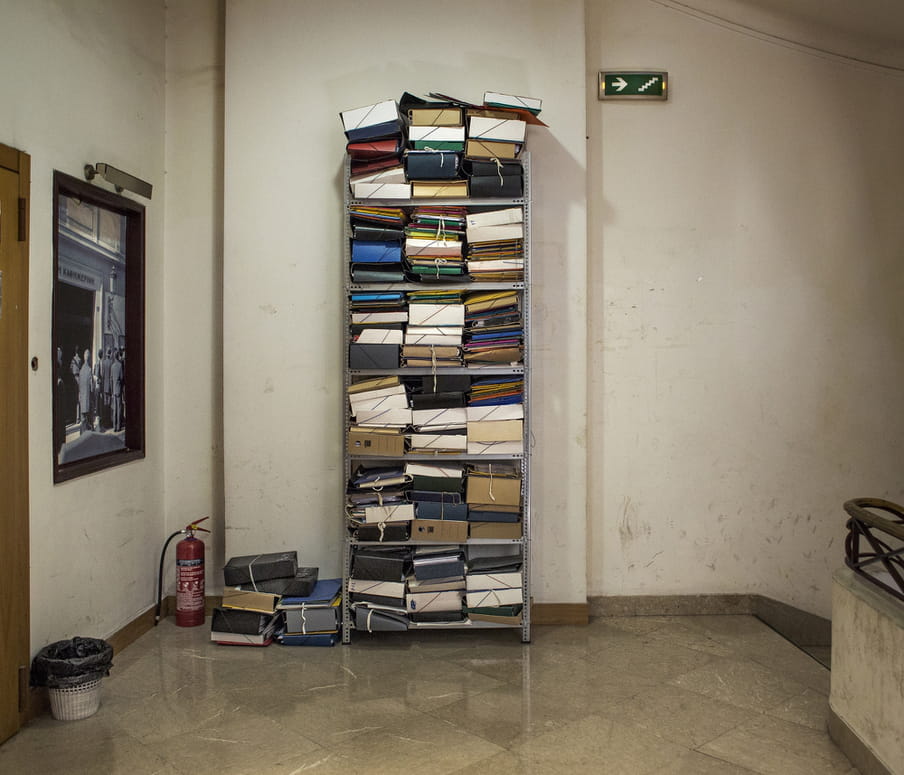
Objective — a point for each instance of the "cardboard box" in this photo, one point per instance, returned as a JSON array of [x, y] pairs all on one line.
[[436, 133], [400, 512], [435, 117], [495, 597], [255, 567], [512, 620], [374, 442], [439, 530], [496, 530], [381, 190]]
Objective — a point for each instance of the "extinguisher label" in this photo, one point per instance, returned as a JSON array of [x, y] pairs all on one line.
[[181, 563]]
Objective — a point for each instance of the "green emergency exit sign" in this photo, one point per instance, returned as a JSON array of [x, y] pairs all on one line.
[[634, 85]]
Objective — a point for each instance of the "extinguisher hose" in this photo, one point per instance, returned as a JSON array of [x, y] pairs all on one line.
[[160, 575]]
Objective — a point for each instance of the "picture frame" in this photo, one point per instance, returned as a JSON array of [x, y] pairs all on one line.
[[98, 329]]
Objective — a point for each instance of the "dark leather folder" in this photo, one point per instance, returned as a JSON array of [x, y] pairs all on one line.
[[432, 165], [375, 149], [382, 564], [437, 400], [373, 356], [493, 186]]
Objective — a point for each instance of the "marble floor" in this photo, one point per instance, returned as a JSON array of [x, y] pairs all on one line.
[[701, 695]]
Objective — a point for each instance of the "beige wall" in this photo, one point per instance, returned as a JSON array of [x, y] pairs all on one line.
[[291, 67], [746, 331], [84, 82], [193, 379]]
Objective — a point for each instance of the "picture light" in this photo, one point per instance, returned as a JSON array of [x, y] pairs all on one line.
[[121, 180]]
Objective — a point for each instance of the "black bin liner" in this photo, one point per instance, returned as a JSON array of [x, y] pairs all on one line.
[[71, 662]]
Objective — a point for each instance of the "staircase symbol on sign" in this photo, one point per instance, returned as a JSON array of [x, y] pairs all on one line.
[[649, 83]]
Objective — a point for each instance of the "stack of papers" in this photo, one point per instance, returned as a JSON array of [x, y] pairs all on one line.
[[376, 140], [434, 241], [493, 328], [433, 336], [496, 390], [376, 248], [496, 245]]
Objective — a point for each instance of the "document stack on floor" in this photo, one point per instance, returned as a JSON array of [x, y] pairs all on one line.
[[253, 587], [312, 619]]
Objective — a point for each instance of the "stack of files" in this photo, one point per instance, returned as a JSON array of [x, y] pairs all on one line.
[[491, 178], [436, 490], [494, 589], [496, 437], [493, 328], [433, 337], [497, 100], [376, 247], [369, 399], [493, 492], [377, 587], [434, 124], [375, 162], [493, 391], [377, 497], [238, 627], [496, 245], [375, 143], [438, 565], [435, 593], [374, 343], [434, 243], [313, 619]]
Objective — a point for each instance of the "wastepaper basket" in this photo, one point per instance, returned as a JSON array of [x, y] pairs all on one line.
[[72, 670]]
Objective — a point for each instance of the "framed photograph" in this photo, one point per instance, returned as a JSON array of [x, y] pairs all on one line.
[[98, 328]]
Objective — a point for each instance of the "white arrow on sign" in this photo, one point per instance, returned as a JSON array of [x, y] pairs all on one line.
[[620, 83]]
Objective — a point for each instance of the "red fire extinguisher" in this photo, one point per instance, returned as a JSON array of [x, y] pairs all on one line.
[[189, 577]]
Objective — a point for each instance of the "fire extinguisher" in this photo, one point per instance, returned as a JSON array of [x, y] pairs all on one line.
[[189, 577]]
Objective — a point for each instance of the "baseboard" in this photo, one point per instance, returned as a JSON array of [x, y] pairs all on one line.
[[671, 605], [560, 613], [800, 627], [861, 756]]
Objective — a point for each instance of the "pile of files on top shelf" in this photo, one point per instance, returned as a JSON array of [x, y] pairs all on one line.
[[254, 585], [439, 147]]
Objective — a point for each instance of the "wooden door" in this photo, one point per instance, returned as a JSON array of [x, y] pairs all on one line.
[[14, 600]]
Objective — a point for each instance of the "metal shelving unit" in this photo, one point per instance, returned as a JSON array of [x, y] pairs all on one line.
[[523, 287]]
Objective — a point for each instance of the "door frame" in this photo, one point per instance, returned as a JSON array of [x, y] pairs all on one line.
[[16, 470]]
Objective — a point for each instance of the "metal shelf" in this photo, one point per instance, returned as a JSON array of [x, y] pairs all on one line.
[[523, 287]]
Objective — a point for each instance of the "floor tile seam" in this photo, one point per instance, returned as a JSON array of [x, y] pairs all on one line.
[[721, 759], [759, 711]]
